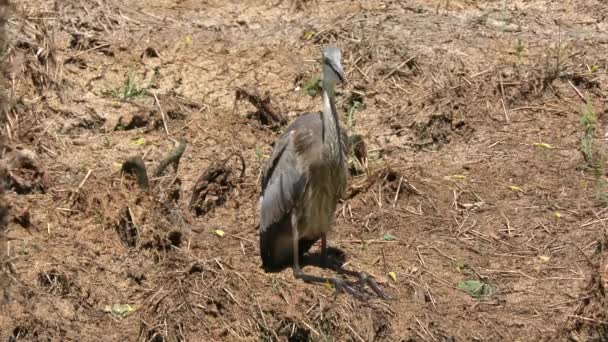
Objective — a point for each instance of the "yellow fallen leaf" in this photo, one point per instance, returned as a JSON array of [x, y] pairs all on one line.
[[393, 275], [308, 34], [544, 258], [558, 214], [329, 285], [516, 188], [188, 40], [543, 145], [139, 141], [219, 232]]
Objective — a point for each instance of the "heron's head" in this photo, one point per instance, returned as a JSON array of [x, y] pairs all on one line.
[[332, 64]]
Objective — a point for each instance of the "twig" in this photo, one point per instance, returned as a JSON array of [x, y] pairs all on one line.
[[588, 319], [234, 299], [594, 222], [172, 158], [91, 49], [84, 180], [355, 333], [397, 193], [504, 108], [502, 100], [507, 222], [162, 113], [424, 329], [577, 91], [398, 67]]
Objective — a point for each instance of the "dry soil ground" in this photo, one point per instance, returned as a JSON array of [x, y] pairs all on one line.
[[472, 114]]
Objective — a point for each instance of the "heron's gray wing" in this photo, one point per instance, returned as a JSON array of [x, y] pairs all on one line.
[[284, 182], [308, 121]]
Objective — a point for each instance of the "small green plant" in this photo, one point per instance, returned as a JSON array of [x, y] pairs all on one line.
[[350, 119], [476, 288], [259, 153], [313, 86], [557, 60], [593, 151], [520, 48], [588, 141], [130, 90]]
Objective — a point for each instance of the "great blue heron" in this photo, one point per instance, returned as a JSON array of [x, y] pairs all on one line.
[[302, 184]]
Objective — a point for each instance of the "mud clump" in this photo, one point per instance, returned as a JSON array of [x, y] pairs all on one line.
[[436, 130]]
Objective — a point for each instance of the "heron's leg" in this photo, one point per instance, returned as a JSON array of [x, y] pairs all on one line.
[[339, 284], [324, 256]]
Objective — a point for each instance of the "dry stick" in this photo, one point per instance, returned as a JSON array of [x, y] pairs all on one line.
[[84, 180], [172, 158], [603, 224], [355, 333], [507, 222], [162, 113], [397, 193], [91, 49], [502, 100], [398, 67], [588, 319], [135, 166], [577, 91]]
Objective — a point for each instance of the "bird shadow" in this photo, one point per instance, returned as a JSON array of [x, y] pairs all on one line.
[[335, 256]]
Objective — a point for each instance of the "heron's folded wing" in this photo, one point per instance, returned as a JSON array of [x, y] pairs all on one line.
[[285, 187], [283, 182]]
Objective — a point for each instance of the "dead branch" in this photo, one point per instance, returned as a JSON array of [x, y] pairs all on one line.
[[212, 174], [172, 158], [267, 113], [136, 166]]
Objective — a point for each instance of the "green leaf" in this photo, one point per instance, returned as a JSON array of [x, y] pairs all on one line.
[[388, 237], [476, 288]]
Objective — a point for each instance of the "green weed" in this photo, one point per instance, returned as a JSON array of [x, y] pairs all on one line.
[[313, 86], [519, 48], [131, 89], [593, 152]]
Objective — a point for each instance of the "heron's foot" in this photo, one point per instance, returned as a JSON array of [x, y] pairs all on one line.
[[338, 284], [364, 277]]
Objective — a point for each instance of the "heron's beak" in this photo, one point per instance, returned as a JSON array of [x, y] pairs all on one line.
[[337, 68]]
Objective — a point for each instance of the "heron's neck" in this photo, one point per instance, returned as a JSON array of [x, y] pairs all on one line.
[[331, 126]]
